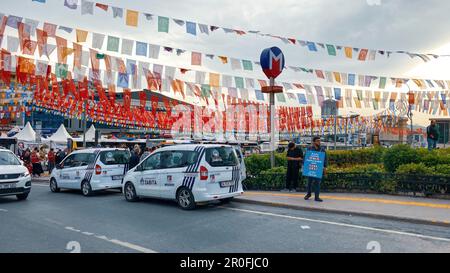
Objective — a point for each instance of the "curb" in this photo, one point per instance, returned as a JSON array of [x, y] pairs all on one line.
[[364, 214]]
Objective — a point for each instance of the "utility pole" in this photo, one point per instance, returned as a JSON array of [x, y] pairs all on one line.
[[335, 131], [84, 124]]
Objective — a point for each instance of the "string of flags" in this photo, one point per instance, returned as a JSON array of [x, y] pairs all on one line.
[[194, 28], [61, 72], [314, 95], [153, 51]]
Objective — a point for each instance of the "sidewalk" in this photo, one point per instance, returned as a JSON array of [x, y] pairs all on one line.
[[411, 209]]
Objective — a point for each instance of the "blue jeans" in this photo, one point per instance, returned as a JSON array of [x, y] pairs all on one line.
[[431, 144], [316, 183]]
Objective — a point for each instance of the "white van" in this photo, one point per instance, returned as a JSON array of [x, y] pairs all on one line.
[[15, 179], [189, 174], [91, 170]]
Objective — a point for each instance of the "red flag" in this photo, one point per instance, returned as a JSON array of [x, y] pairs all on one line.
[[142, 98], [127, 99], [83, 87], [102, 6]]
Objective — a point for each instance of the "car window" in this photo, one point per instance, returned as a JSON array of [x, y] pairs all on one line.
[[85, 159], [8, 158], [115, 157], [178, 159], [68, 162], [152, 162], [221, 156], [239, 155]]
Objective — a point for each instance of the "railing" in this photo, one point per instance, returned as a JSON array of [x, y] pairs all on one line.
[[361, 182]]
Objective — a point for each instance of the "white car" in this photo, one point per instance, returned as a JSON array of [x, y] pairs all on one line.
[[15, 179], [189, 174], [91, 170]]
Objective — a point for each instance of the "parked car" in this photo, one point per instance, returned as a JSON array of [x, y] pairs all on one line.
[[15, 179], [189, 174], [91, 170]]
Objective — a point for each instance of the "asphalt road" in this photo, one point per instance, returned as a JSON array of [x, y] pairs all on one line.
[[67, 221]]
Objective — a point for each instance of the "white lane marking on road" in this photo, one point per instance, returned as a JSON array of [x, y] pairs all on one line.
[[342, 224], [305, 227], [4, 210], [73, 229], [115, 241], [39, 185], [132, 246]]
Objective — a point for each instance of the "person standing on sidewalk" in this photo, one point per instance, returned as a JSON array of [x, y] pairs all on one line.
[[51, 160], [35, 160], [294, 157], [432, 135], [315, 181]]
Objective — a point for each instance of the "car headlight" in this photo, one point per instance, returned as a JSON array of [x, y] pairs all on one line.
[[25, 174]]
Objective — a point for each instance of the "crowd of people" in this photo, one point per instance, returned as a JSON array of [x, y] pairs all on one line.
[[41, 159]]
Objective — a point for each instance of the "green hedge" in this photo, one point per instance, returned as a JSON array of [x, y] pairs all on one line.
[[352, 157], [372, 160], [403, 154]]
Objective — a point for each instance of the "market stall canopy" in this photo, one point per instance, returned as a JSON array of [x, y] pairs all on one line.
[[27, 134], [90, 135], [60, 136]]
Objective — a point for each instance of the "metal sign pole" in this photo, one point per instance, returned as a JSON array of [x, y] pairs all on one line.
[[272, 125]]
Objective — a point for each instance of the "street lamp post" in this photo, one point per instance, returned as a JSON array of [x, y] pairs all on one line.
[[410, 114]]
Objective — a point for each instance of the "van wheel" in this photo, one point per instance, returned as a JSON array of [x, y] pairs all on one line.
[[130, 193], [22, 197], [54, 185], [185, 199], [226, 200], [86, 188]]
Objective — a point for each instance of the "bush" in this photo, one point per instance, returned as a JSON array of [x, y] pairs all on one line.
[[257, 163], [351, 157], [399, 155], [270, 179], [443, 169], [415, 168], [361, 168]]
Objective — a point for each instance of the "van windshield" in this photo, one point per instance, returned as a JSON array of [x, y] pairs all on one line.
[[8, 158], [221, 156], [115, 157]]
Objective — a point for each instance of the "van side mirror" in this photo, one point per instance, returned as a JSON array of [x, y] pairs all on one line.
[[59, 166], [139, 168]]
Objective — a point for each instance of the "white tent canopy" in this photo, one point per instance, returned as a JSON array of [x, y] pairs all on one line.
[[60, 136], [90, 135], [27, 134]]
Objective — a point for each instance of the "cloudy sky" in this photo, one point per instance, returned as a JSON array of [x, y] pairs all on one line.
[[410, 25]]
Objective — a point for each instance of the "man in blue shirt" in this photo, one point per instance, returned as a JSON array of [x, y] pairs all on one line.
[[316, 147]]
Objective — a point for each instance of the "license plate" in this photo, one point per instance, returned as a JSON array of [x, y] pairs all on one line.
[[117, 177], [8, 186], [226, 184]]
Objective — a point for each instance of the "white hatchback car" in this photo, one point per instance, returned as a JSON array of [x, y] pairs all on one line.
[[189, 174], [15, 179], [91, 170]]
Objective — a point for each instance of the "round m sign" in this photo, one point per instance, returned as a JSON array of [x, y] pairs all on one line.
[[272, 62]]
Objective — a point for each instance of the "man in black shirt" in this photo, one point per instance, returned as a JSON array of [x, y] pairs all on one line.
[[294, 158], [432, 135]]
